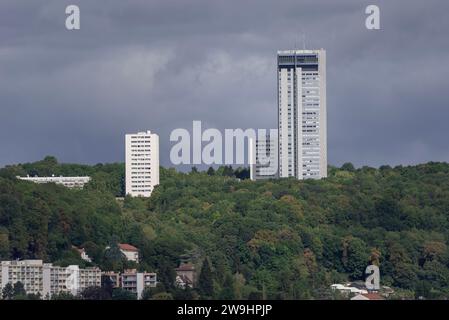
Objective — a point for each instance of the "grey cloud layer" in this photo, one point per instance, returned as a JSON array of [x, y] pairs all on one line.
[[161, 64]]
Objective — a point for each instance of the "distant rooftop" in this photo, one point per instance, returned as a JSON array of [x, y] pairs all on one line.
[[300, 51], [127, 247], [185, 267], [51, 177], [140, 133], [368, 296]]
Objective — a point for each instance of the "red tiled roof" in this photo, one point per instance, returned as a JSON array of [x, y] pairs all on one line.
[[373, 296], [127, 247], [185, 267]]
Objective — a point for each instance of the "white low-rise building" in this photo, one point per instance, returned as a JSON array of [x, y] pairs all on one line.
[[136, 282], [131, 253], [46, 279], [83, 253], [348, 290], [68, 182]]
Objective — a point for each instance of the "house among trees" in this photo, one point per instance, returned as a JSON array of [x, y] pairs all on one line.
[[83, 253], [185, 275], [131, 253]]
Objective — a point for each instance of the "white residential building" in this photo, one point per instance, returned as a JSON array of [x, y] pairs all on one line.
[[136, 282], [68, 182], [347, 289], [265, 152], [131, 253], [46, 279], [131, 280], [83, 253], [28, 272], [302, 114], [70, 279], [142, 163]]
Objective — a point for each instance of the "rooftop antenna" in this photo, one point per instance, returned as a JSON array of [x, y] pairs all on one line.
[[303, 41]]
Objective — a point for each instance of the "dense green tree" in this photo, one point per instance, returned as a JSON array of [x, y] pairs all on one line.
[[348, 166], [95, 293], [166, 274], [8, 292], [19, 289], [4, 244], [183, 293], [114, 259], [228, 289], [162, 296], [32, 296], [206, 281], [242, 173], [122, 294], [210, 171], [355, 257], [147, 293], [63, 296]]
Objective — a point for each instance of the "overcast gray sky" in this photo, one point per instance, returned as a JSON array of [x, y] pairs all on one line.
[[159, 64]]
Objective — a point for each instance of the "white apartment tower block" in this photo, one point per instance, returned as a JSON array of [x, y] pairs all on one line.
[[142, 163], [302, 114]]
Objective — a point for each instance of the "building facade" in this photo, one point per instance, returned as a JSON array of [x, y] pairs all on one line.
[[302, 114], [265, 153], [131, 253], [136, 282], [68, 182], [185, 275], [69, 279], [28, 272], [142, 163], [46, 279]]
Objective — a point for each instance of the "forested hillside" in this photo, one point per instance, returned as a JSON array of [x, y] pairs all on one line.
[[282, 239]]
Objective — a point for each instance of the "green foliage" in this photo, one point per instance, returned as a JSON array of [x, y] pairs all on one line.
[[228, 288], [279, 239], [166, 273], [113, 258], [95, 293], [17, 292], [184, 294], [348, 166], [8, 292], [63, 296], [147, 293], [121, 294], [163, 296], [205, 281], [19, 289]]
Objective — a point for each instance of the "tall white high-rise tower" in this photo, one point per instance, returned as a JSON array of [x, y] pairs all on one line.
[[302, 114], [142, 163]]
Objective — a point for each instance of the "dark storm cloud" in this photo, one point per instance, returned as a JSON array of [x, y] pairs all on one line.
[[159, 65]]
